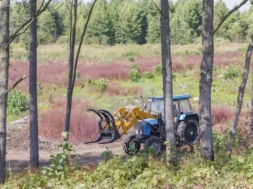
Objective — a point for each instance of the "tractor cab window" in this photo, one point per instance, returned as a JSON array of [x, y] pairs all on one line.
[[157, 105], [185, 106]]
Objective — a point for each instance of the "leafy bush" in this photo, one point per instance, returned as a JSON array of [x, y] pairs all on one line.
[[158, 69], [231, 72], [99, 86], [130, 56], [60, 165], [147, 75], [17, 103], [134, 73]]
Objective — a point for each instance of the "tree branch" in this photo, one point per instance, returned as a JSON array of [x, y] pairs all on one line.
[[228, 14], [27, 23], [158, 9], [81, 41], [13, 86]]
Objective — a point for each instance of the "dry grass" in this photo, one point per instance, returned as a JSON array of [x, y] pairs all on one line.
[[221, 115], [83, 126]]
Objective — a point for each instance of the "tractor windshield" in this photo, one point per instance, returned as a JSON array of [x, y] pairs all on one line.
[[157, 105], [185, 106]]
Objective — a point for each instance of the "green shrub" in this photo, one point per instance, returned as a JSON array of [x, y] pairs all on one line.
[[147, 75], [158, 69], [91, 82], [60, 165], [130, 56], [98, 86], [101, 85], [134, 73], [232, 72], [17, 103]]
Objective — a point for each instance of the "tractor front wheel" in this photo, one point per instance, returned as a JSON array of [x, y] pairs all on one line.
[[130, 145]]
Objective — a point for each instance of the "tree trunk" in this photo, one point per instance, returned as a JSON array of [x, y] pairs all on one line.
[[167, 83], [71, 65], [4, 66], [205, 124], [240, 96], [34, 147]]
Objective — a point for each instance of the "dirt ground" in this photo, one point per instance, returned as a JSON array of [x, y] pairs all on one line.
[[18, 149]]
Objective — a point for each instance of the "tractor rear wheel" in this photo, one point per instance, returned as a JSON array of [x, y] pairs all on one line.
[[188, 131], [155, 144], [130, 145]]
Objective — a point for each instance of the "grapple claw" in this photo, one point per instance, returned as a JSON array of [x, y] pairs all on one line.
[[106, 131]]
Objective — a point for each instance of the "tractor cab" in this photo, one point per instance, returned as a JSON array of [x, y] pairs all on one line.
[[181, 105]]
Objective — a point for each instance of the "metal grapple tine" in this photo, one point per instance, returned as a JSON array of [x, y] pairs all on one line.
[[96, 112], [93, 141], [99, 126], [115, 135], [109, 117], [109, 141]]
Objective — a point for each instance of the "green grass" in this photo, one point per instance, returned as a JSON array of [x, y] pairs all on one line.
[[108, 54]]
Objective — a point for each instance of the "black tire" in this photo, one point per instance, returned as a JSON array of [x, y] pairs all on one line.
[[188, 131], [127, 142], [155, 143]]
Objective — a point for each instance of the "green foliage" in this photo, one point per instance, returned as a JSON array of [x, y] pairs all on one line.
[[158, 70], [17, 103], [99, 86], [130, 56], [147, 75], [231, 73], [60, 165], [107, 154], [133, 21], [134, 73]]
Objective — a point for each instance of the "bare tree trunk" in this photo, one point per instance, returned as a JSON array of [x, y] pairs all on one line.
[[71, 65], [167, 83], [206, 137], [240, 96], [4, 66], [34, 146]]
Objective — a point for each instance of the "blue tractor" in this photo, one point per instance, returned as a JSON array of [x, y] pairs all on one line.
[[151, 131]]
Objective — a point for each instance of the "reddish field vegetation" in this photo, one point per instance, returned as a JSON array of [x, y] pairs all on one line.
[[221, 115], [56, 72], [83, 124]]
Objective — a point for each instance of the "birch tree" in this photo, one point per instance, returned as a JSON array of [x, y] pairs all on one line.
[[4, 65]]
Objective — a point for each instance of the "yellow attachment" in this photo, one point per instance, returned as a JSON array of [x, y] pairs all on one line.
[[127, 118]]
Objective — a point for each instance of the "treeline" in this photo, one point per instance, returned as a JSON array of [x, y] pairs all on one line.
[[131, 21]]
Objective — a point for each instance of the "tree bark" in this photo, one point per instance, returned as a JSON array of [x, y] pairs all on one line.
[[71, 65], [4, 66], [240, 96], [205, 123], [34, 146], [167, 83]]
